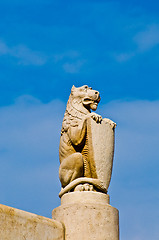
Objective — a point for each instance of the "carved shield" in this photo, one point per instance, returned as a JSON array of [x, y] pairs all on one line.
[[100, 147]]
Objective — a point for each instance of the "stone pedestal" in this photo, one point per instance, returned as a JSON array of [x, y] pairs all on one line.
[[87, 215]]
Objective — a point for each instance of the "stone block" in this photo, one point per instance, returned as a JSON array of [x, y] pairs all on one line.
[[20, 225]]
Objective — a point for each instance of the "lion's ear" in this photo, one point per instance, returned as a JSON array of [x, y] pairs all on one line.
[[73, 88]]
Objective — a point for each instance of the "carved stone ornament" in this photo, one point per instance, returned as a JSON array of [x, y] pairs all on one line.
[[86, 145]]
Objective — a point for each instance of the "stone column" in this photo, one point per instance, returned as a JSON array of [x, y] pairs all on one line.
[[87, 215]]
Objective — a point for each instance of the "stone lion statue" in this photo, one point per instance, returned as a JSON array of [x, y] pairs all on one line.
[[78, 170]]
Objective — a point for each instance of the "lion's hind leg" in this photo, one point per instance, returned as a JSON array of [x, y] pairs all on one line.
[[71, 168]]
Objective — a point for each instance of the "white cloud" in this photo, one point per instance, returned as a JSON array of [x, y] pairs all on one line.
[[3, 48], [27, 125], [73, 67], [70, 61], [122, 57], [23, 54], [30, 132], [69, 54], [147, 38]]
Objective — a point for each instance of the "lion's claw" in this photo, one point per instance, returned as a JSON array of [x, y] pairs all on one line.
[[96, 117]]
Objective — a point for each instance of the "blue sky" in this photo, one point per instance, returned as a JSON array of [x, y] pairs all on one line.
[[45, 48]]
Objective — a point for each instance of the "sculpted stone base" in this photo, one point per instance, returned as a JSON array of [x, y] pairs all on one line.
[[88, 215]]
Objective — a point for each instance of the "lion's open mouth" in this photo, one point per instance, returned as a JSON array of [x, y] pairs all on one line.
[[88, 101]]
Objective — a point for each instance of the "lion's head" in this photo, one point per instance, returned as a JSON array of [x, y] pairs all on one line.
[[86, 96], [81, 101]]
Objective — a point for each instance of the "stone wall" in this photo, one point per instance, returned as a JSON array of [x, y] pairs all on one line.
[[20, 225]]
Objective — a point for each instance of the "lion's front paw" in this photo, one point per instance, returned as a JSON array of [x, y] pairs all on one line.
[[84, 187], [96, 117]]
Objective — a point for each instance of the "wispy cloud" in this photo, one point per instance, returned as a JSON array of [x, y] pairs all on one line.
[[30, 132], [70, 61], [73, 67], [30, 122], [23, 54], [3, 48], [147, 38], [66, 55], [122, 57]]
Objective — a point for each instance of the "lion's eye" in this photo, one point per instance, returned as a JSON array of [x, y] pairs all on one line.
[[85, 88]]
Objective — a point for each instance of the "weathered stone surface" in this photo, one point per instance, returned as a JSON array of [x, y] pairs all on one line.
[[19, 225], [86, 158], [86, 218], [101, 148], [85, 197], [86, 144]]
